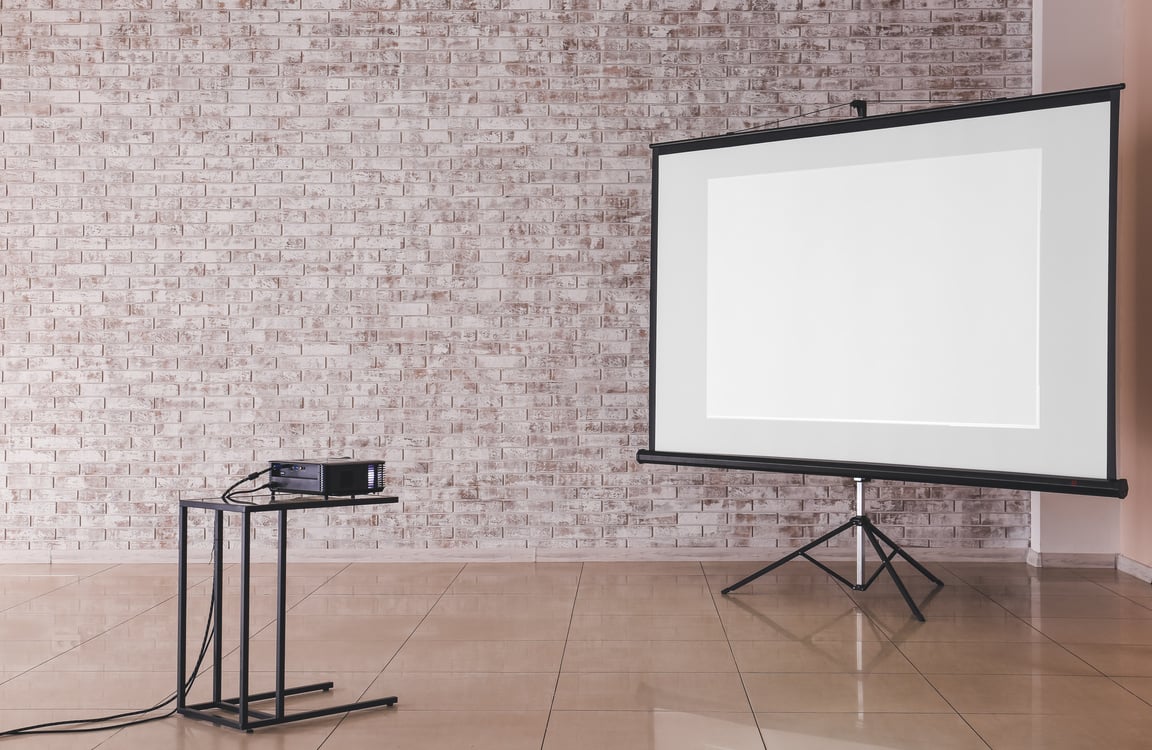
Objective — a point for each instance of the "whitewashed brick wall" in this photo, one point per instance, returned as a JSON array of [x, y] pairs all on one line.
[[241, 230]]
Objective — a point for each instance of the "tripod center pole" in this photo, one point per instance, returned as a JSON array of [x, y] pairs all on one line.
[[859, 533]]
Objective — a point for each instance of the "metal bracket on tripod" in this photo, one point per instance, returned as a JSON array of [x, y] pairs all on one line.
[[864, 528]]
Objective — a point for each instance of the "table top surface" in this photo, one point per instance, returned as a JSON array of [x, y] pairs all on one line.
[[294, 502]]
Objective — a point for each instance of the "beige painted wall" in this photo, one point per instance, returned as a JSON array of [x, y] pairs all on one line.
[[1076, 45], [1135, 285], [1086, 44]]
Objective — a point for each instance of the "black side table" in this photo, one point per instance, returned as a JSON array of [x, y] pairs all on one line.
[[218, 710]]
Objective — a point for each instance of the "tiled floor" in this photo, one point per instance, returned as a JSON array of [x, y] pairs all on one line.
[[604, 655]]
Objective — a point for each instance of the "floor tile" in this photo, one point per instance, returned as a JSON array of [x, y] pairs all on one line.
[[945, 602], [1036, 587], [86, 690], [406, 728], [76, 570], [183, 733], [1125, 585], [1095, 630], [838, 693], [822, 603], [597, 580], [652, 730], [1141, 687], [819, 656], [162, 626], [349, 628], [492, 627], [8, 601], [519, 570], [402, 578], [113, 653], [646, 628], [1144, 600], [545, 579], [944, 629], [503, 604], [371, 655], [439, 691], [32, 626], [644, 599], [639, 691], [994, 658], [115, 607], [1038, 695], [14, 718], [1110, 606], [655, 656], [1022, 732], [416, 604], [638, 568], [767, 583], [1115, 659], [478, 656], [740, 625], [22, 655], [861, 731], [110, 586]]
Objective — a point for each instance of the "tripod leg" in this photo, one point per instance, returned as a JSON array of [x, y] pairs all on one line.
[[908, 558], [802, 552], [871, 533]]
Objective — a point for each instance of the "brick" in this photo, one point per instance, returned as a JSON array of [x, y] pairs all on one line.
[[232, 235]]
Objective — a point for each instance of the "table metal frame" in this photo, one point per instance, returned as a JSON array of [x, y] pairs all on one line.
[[219, 709]]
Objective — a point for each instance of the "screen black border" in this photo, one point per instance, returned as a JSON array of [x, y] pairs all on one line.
[[1111, 486]]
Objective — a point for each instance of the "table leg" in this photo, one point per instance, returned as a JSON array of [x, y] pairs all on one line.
[[281, 608], [182, 608], [218, 605], [245, 613]]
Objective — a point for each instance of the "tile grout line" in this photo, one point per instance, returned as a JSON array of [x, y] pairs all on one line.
[[735, 662], [563, 655], [400, 648]]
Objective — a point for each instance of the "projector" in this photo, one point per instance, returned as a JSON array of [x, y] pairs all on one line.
[[329, 478]]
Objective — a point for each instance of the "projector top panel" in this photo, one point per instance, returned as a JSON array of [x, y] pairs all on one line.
[[325, 462]]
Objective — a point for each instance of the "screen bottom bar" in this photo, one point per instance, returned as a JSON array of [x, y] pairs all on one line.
[[1001, 480]]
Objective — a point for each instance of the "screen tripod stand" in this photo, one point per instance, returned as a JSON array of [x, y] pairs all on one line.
[[864, 529]]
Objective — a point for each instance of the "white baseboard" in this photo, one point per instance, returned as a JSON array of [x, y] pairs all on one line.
[[1071, 560], [1133, 568], [638, 554]]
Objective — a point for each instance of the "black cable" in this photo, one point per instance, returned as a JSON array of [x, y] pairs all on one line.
[[250, 491], [227, 495], [232, 499], [35, 729], [257, 498]]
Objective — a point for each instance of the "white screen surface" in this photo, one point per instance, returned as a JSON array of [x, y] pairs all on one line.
[[934, 295], [909, 297]]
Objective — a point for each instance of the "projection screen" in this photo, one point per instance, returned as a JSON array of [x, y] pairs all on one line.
[[926, 296]]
